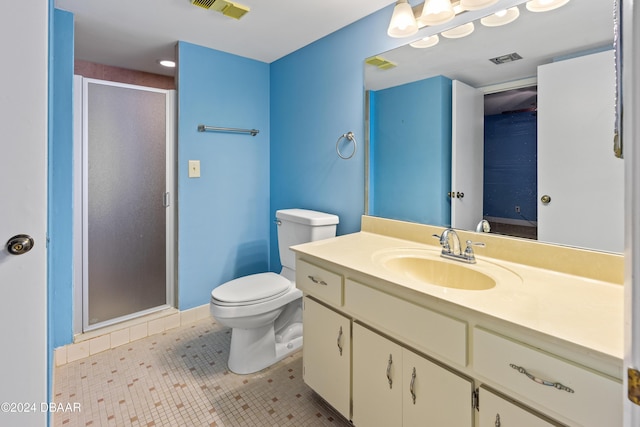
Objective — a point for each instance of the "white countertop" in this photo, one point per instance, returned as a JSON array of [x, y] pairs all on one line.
[[581, 311]]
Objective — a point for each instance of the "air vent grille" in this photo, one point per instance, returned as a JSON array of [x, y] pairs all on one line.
[[510, 57], [205, 4]]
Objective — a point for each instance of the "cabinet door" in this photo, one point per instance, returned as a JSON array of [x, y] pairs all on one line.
[[326, 354], [433, 395], [498, 412], [377, 380]]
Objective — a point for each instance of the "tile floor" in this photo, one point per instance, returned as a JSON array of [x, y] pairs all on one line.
[[180, 378]]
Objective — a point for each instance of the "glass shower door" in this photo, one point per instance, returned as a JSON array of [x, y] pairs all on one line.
[[125, 202]]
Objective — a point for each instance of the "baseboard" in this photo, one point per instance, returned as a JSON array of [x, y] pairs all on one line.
[[87, 344]]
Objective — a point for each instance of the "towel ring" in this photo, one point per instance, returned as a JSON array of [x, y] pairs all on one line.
[[350, 137]]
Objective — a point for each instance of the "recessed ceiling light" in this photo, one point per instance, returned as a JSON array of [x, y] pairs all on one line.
[[167, 63]]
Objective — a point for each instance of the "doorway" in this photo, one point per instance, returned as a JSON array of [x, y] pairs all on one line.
[[510, 162], [125, 188]]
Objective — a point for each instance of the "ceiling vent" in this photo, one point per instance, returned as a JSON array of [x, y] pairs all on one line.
[[380, 62], [205, 4], [227, 8], [510, 57]]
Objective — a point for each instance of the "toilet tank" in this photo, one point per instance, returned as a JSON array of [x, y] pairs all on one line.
[[296, 226]]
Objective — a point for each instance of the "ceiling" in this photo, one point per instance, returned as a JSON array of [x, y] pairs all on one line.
[[135, 34]]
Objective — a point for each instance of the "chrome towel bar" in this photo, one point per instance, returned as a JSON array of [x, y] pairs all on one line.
[[203, 128]]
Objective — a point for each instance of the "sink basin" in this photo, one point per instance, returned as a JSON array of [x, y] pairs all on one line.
[[441, 273], [427, 266]]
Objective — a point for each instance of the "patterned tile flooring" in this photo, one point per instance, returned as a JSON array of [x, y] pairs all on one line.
[[180, 378]]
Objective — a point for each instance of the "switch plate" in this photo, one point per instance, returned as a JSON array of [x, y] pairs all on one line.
[[194, 168]]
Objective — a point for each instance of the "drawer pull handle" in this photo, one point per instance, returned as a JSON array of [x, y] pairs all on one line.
[[389, 372], [541, 381], [412, 388], [340, 339], [314, 280], [497, 420]]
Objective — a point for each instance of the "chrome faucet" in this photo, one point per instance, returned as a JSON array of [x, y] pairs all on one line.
[[455, 252]]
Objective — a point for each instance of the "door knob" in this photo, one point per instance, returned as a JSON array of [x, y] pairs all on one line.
[[545, 199], [20, 244]]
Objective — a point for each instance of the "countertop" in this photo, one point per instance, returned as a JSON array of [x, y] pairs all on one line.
[[585, 312]]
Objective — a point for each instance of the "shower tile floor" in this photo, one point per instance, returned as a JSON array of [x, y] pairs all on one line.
[[180, 378]]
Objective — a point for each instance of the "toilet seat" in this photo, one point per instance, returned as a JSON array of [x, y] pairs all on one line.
[[252, 289]]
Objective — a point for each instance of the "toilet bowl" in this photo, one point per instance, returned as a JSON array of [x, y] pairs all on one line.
[[264, 310]]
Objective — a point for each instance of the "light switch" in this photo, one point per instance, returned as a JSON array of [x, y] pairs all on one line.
[[194, 168]]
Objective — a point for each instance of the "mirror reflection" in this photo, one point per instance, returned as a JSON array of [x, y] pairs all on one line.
[[510, 124]]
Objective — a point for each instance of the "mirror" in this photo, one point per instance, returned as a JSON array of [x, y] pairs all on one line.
[[534, 188]]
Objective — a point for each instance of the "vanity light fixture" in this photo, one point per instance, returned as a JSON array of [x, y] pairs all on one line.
[[502, 17], [426, 42], [436, 12], [403, 22], [476, 4], [459, 32], [545, 5]]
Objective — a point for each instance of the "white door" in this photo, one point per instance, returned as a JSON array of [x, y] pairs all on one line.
[[23, 210], [631, 141], [467, 152], [575, 133]]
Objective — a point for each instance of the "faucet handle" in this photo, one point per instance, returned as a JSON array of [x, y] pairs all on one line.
[[468, 252], [470, 243]]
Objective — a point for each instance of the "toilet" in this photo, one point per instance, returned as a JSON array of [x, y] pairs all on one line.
[[264, 310]]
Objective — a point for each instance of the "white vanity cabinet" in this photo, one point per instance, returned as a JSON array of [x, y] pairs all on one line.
[[365, 337], [497, 411], [326, 354], [393, 386]]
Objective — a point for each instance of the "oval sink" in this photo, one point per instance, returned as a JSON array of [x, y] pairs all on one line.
[[427, 266], [440, 272]]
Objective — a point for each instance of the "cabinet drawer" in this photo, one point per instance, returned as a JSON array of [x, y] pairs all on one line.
[[593, 399], [428, 331], [498, 411], [322, 284]]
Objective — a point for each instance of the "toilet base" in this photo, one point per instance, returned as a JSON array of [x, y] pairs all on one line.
[[253, 350]]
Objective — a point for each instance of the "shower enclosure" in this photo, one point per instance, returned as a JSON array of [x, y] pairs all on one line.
[[127, 184]]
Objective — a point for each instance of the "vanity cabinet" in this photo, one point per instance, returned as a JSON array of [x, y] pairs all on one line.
[[326, 354], [371, 346], [501, 412], [394, 386]]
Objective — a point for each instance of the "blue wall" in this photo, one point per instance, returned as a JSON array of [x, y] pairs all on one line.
[[60, 187], [301, 104], [510, 166], [411, 152], [223, 227], [317, 94]]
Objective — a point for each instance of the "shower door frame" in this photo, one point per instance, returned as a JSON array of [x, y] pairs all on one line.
[[81, 300]]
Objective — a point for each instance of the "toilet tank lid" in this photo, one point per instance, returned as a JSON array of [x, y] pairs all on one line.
[[307, 217]]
